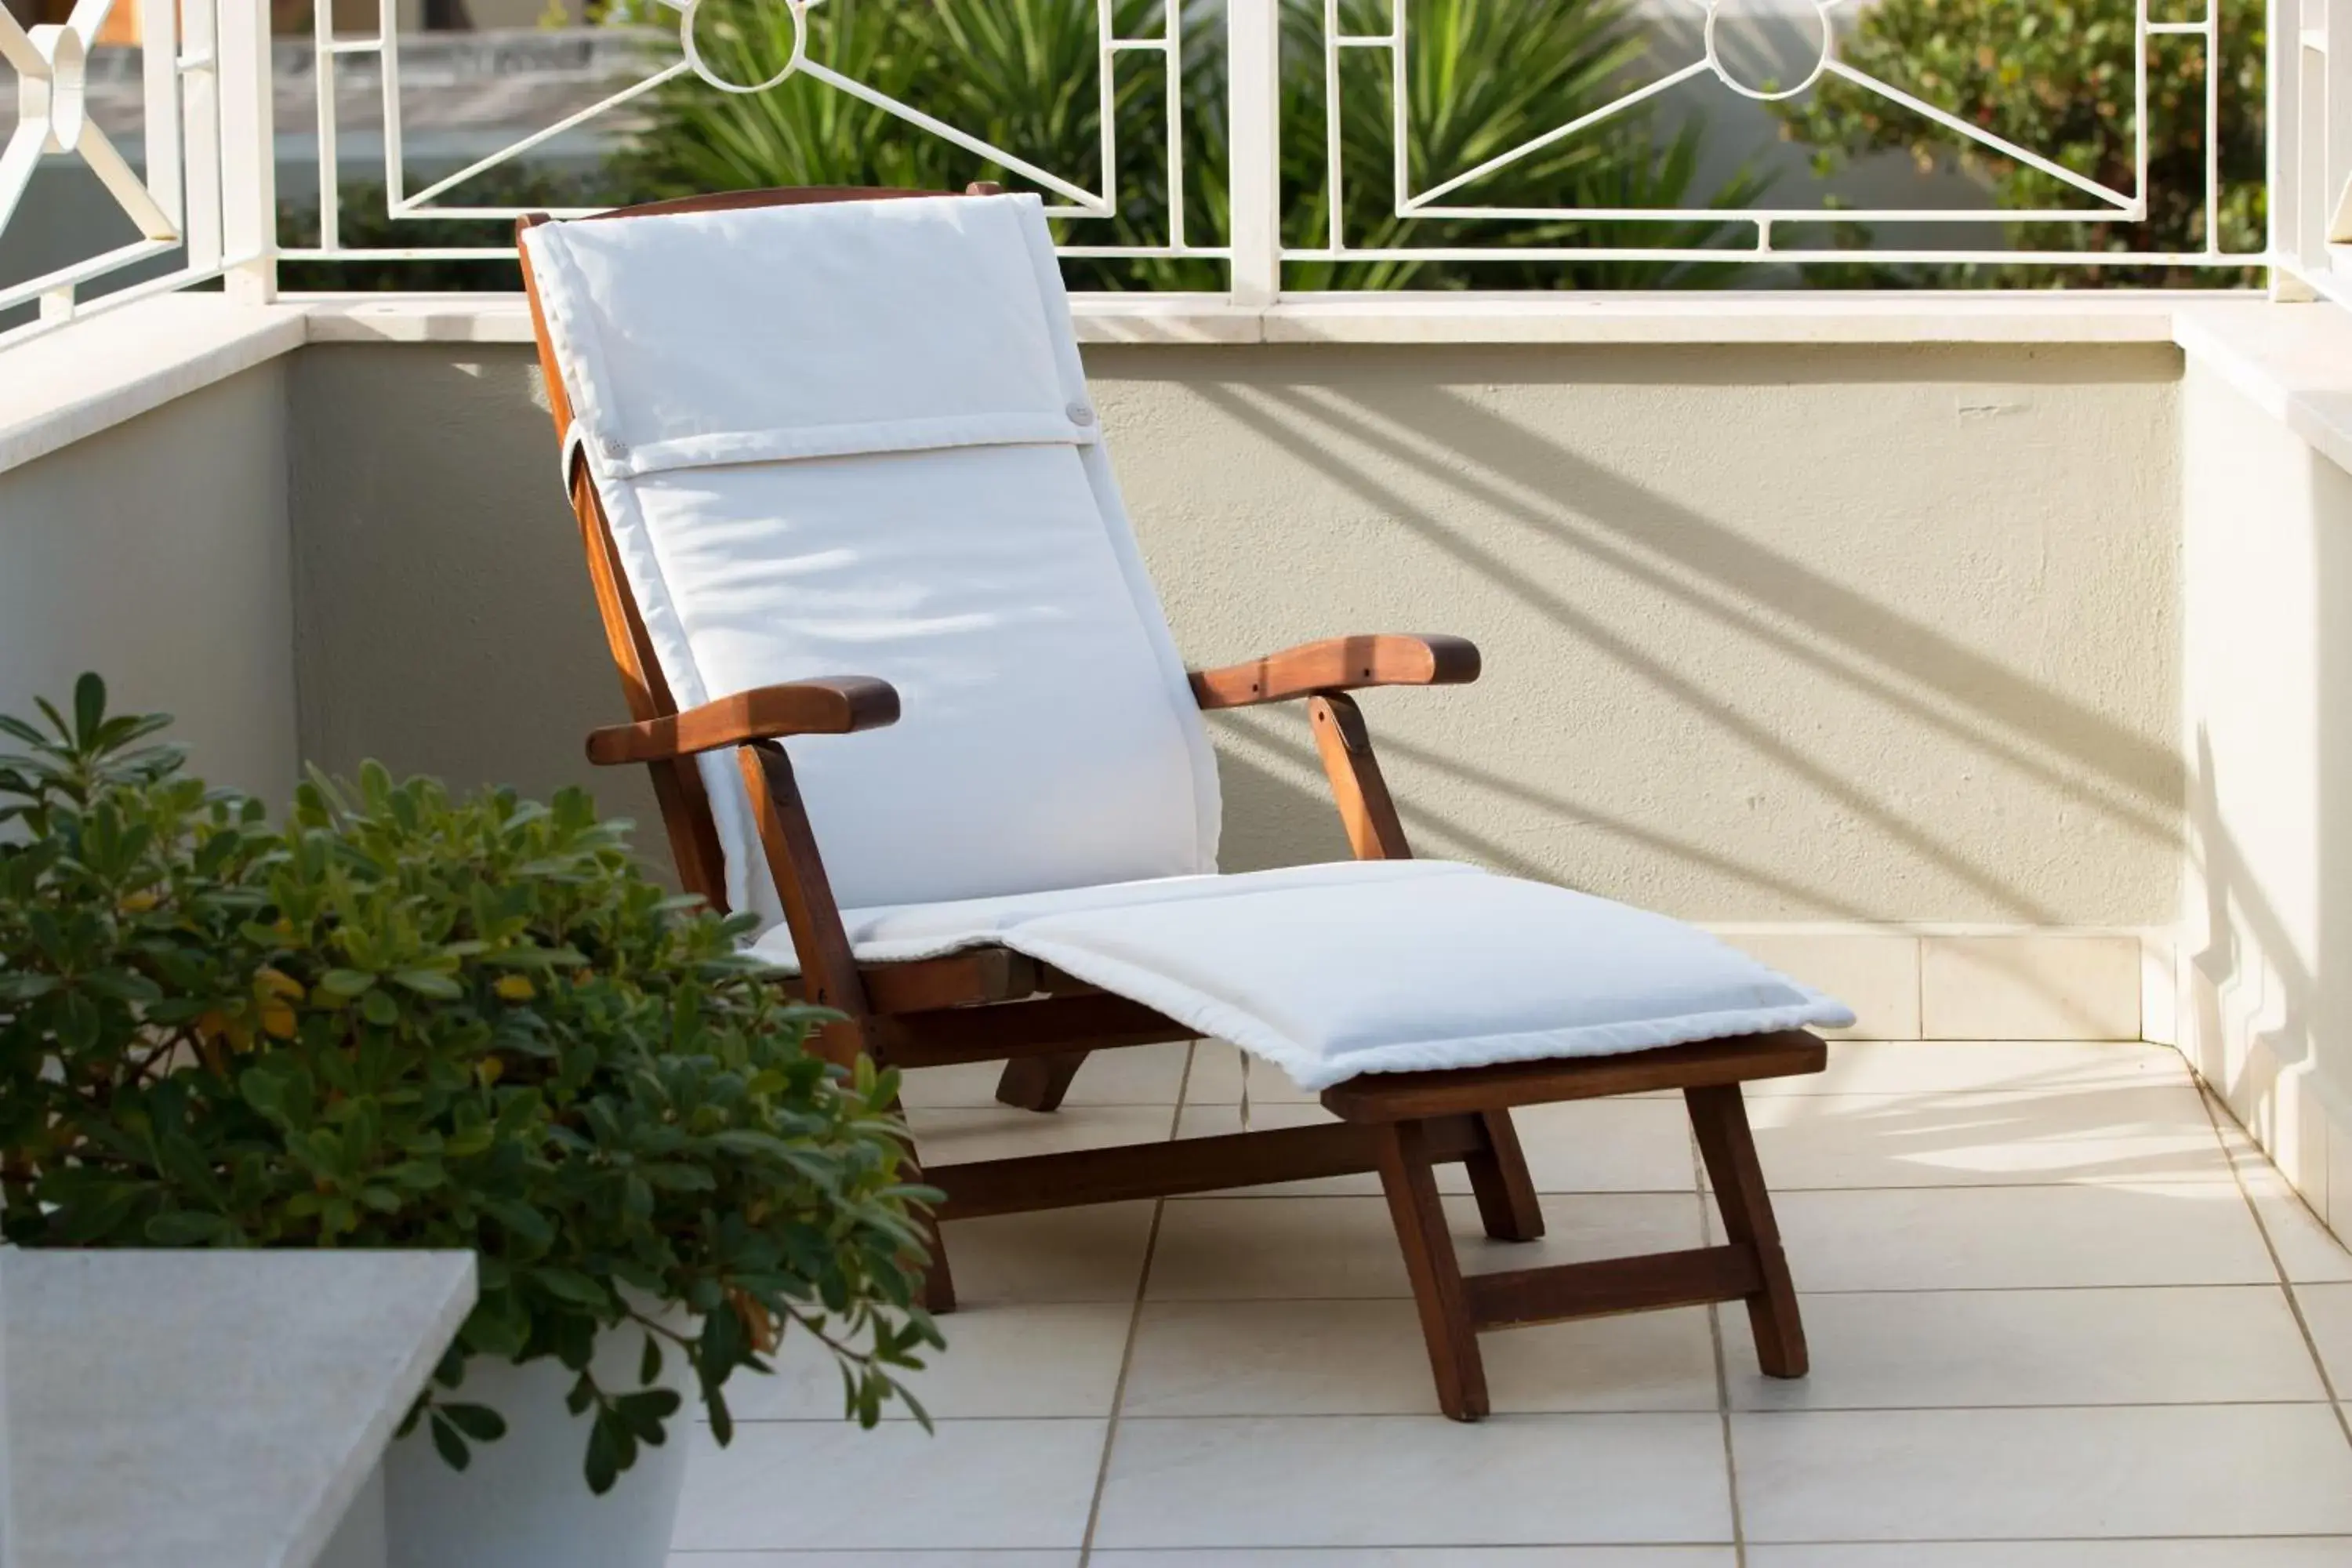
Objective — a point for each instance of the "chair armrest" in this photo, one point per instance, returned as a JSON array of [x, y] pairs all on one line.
[[1340, 664], [834, 705]]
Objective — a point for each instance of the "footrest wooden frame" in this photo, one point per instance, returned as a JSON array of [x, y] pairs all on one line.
[[1404, 1125]]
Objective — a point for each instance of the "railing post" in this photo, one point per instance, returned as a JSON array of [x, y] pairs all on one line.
[[1254, 71], [2334, 183], [248, 157]]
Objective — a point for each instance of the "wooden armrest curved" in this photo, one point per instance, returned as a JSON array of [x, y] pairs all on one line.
[[833, 705], [1340, 664]]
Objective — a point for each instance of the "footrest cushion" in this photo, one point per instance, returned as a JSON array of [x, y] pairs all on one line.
[[1379, 966]]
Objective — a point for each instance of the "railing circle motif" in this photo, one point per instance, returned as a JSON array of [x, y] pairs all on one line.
[[685, 15], [1761, 95]]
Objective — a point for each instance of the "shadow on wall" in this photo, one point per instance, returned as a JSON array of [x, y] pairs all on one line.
[[443, 619], [1273, 780], [2251, 992], [1482, 494]]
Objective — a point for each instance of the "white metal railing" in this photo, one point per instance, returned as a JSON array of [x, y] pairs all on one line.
[[2106, 203], [1065, 198], [206, 198], [2310, 173]]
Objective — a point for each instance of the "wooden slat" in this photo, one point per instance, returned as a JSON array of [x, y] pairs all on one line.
[[1397, 1096], [1612, 1285], [984, 1187], [1043, 1025], [957, 980]]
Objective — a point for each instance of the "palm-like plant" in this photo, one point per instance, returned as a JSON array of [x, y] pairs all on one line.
[[801, 131], [1482, 77]]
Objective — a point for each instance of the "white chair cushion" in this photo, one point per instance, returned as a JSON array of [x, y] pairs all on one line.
[[854, 438], [1373, 966]]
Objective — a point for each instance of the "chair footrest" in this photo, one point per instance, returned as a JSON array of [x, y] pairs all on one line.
[[1612, 1285]]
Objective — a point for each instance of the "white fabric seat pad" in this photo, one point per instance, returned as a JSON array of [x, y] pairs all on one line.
[[1354, 967]]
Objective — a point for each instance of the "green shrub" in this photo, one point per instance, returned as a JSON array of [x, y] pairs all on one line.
[[2056, 79], [401, 1021]]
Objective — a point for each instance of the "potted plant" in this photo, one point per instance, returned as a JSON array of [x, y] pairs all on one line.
[[398, 1020]]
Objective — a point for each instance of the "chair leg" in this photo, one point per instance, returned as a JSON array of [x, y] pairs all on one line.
[[1411, 1186], [1038, 1083], [1720, 1119], [1498, 1175], [938, 1279]]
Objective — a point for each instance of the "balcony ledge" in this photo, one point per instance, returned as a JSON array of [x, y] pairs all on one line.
[[63, 387], [1464, 318]]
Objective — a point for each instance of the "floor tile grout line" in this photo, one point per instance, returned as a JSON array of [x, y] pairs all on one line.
[[1305, 1300], [1598, 1414], [2052, 1539], [1139, 1552], [1134, 1326], [2099, 1183], [2287, 1285], [1919, 985]]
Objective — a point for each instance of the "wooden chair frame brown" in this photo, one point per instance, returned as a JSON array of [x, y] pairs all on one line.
[[996, 1005]]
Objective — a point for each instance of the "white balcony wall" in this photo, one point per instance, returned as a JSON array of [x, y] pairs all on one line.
[[157, 553], [1872, 633], [2267, 920]]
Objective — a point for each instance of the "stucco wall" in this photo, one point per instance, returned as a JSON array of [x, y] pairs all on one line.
[[1772, 634], [2267, 716], [157, 553]]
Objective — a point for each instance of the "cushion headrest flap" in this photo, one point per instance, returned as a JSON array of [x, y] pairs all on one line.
[[897, 326]]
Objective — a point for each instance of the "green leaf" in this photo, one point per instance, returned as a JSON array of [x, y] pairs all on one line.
[[571, 1286], [650, 1364], [645, 1412], [89, 708], [722, 1420], [606, 1440], [448, 1443], [480, 1422], [430, 983], [526, 1222]]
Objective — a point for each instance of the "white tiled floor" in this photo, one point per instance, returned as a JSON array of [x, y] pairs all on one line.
[[2061, 1317]]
